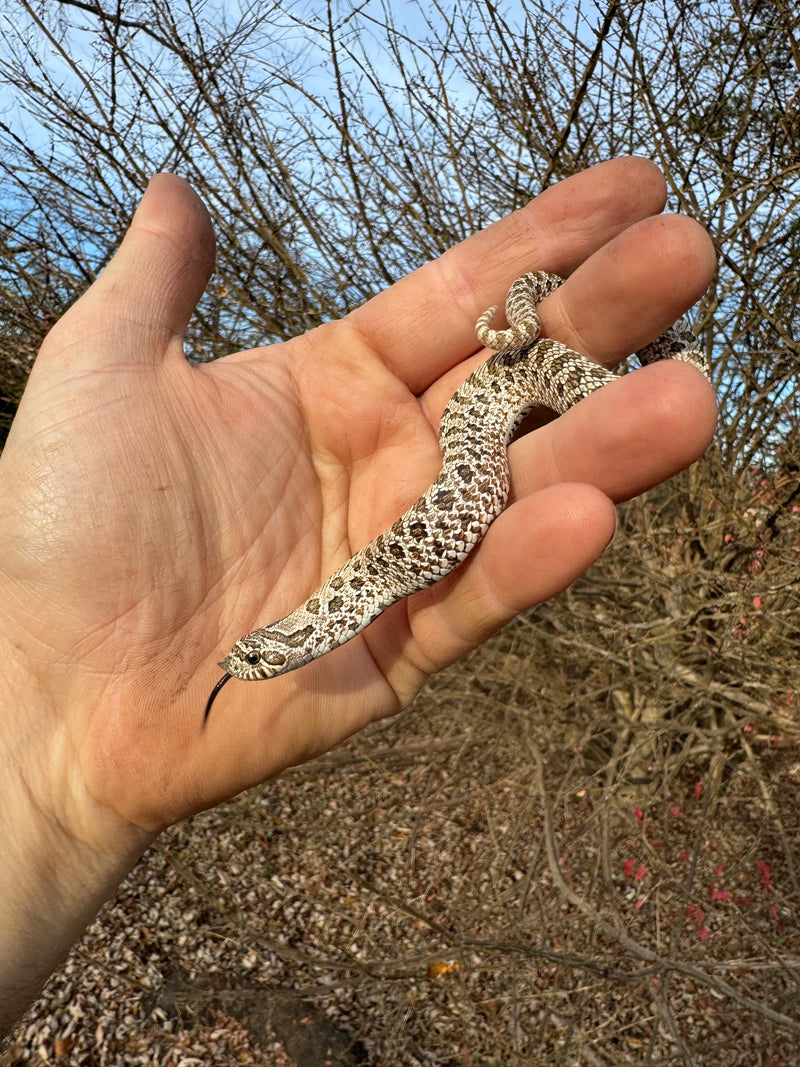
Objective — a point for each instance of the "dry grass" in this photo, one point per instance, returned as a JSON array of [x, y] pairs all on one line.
[[576, 848]]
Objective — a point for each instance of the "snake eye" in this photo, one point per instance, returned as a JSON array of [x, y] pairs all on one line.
[[253, 658]]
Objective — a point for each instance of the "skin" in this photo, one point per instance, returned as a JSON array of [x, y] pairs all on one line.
[[154, 512]]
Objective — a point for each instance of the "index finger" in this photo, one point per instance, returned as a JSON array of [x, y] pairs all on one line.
[[424, 324]]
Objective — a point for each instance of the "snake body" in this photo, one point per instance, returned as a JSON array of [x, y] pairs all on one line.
[[440, 530]]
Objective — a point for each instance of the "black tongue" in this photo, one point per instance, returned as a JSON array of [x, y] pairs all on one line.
[[225, 678]]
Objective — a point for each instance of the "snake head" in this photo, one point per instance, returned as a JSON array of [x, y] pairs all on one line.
[[264, 654], [252, 662]]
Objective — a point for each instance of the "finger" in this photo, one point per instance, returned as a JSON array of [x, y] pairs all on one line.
[[632, 289], [620, 299], [425, 323], [531, 552], [146, 295], [625, 438]]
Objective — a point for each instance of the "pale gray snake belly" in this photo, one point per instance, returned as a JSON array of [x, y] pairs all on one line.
[[440, 530]]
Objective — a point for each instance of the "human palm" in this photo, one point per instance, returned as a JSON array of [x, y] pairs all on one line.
[[154, 511]]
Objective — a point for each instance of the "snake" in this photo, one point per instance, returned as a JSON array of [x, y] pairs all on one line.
[[442, 528]]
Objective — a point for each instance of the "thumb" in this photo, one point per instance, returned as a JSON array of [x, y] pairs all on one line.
[[138, 308]]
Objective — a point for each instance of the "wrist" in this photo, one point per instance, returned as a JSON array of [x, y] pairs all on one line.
[[63, 855]]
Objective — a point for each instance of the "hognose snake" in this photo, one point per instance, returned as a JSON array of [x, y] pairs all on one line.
[[445, 524]]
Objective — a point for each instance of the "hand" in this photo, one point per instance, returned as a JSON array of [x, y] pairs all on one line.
[[153, 512]]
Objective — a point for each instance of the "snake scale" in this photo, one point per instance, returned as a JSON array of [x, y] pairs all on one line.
[[444, 525]]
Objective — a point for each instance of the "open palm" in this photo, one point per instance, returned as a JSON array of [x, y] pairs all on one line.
[[153, 512]]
